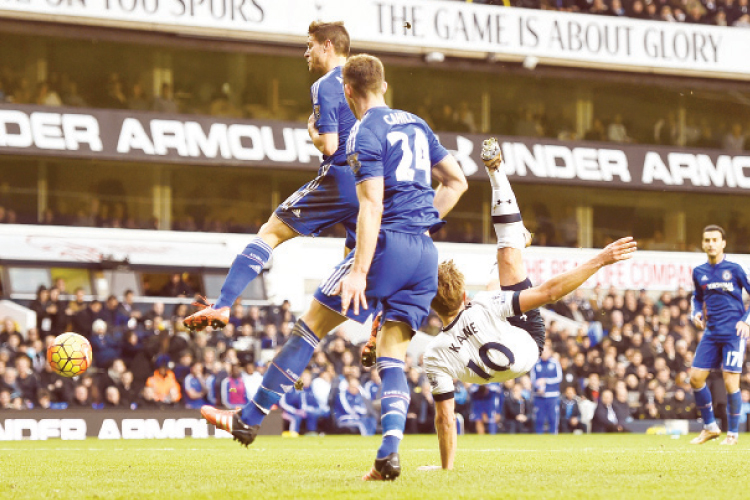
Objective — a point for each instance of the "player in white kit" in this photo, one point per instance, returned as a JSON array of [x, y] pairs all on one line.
[[478, 345]]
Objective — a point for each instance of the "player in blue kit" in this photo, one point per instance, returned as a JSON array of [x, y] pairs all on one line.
[[394, 156], [546, 376], [328, 199], [718, 291]]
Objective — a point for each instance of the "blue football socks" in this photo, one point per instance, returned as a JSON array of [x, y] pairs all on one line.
[[704, 404], [245, 268], [393, 405], [734, 408], [281, 375]]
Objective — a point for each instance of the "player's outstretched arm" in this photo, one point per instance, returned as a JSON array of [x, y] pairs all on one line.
[[445, 425], [452, 184], [559, 286]]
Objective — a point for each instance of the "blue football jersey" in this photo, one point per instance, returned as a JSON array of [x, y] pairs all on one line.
[[332, 113], [401, 148], [551, 372], [719, 287]]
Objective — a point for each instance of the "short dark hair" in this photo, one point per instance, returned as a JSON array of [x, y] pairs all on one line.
[[364, 73], [714, 227], [335, 32]]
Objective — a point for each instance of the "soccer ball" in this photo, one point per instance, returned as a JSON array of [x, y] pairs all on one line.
[[69, 355]]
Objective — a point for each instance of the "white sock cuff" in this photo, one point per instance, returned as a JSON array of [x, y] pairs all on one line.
[[511, 235]]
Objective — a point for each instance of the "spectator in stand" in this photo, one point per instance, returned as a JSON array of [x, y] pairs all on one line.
[[597, 132], [113, 315], [600, 8], [23, 93], [734, 141], [570, 413], [605, 418], [112, 399], [617, 131], [322, 387], [71, 97], [84, 320], [252, 376], [128, 390], [302, 406], [137, 100], [420, 417], [195, 387], [127, 308], [165, 103], [516, 412], [106, 346], [81, 397], [9, 328], [233, 393], [350, 410], [45, 96], [26, 380], [163, 385], [177, 287]]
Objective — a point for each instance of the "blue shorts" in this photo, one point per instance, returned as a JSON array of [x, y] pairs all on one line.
[[323, 202], [727, 353], [402, 280], [481, 407]]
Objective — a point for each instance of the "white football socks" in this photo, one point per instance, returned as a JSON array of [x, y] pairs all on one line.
[[506, 215]]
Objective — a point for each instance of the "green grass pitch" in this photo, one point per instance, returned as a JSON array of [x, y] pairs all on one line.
[[503, 467]]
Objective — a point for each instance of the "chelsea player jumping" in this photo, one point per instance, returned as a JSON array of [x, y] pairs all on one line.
[[718, 288], [394, 156], [328, 199]]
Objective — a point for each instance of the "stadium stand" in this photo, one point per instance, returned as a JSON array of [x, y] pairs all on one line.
[[638, 347], [723, 13]]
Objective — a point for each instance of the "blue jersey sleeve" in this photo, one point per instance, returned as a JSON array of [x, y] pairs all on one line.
[[696, 304], [437, 151], [326, 102], [365, 155]]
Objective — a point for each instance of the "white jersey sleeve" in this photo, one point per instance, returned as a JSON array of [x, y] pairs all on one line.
[[503, 304]]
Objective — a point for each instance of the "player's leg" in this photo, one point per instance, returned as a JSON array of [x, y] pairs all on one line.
[[280, 376], [512, 238], [391, 347], [404, 273], [492, 422], [706, 358], [328, 199], [248, 264], [554, 425], [733, 355], [539, 415]]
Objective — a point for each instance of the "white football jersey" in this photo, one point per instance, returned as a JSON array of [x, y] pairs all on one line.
[[479, 346]]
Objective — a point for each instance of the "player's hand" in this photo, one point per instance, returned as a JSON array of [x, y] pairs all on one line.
[[698, 321], [352, 291], [743, 329], [622, 249]]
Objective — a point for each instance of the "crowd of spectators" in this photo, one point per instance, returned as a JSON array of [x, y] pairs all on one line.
[[629, 357], [712, 12]]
